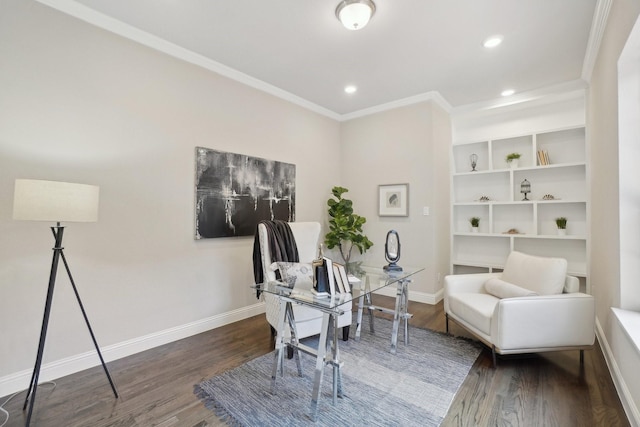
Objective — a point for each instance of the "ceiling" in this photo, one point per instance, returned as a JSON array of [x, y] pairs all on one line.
[[298, 50]]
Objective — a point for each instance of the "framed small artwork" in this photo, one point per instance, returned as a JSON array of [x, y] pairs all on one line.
[[393, 200]]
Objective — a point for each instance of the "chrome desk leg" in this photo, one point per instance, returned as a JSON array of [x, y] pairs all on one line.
[[293, 341], [335, 362], [278, 363], [364, 300], [396, 319], [322, 351], [359, 317], [405, 307], [369, 299]]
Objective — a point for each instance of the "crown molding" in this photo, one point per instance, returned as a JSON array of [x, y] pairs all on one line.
[[600, 16], [105, 22], [100, 20], [429, 96], [84, 13], [555, 93]]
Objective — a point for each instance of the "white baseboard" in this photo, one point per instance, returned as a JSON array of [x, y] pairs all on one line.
[[20, 380], [621, 386]]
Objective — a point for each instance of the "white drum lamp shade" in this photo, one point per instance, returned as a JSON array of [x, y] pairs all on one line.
[[37, 200]]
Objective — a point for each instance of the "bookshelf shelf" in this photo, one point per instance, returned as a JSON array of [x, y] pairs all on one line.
[[565, 178]]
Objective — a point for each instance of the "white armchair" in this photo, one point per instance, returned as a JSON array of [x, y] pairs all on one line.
[[532, 306], [308, 321]]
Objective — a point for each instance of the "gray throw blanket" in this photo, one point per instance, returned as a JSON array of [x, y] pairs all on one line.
[[282, 246]]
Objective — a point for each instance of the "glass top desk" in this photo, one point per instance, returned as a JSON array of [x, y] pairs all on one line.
[[370, 280]]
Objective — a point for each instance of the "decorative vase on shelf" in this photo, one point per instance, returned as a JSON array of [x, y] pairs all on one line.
[[474, 229], [513, 164], [562, 231]]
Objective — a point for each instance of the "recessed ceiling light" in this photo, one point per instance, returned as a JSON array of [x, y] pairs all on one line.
[[492, 41], [350, 89], [508, 92]]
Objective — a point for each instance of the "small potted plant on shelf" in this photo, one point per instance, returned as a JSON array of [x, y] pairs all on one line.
[[475, 223], [561, 223], [512, 159]]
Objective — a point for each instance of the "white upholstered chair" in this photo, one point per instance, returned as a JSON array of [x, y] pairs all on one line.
[[532, 306], [308, 320]]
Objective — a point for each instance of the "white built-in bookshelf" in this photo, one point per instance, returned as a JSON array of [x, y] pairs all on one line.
[[564, 178]]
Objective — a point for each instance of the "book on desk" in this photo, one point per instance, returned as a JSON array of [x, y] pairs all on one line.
[[329, 278]]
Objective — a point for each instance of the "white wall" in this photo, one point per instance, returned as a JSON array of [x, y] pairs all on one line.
[[602, 119], [405, 145], [80, 104]]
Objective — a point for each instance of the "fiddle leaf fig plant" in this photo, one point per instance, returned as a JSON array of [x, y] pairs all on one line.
[[345, 227]]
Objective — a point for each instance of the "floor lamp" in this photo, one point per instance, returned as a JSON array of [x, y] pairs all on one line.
[[36, 200]]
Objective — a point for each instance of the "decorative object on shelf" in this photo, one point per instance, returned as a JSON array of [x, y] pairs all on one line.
[[392, 251], [549, 197], [484, 199], [561, 223], [512, 231], [53, 201], [525, 188], [345, 227], [543, 158], [474, 162], [355, 14], [513, 159], [475, 223], [393, 200]]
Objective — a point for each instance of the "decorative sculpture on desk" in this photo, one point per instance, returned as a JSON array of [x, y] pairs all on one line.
[[392, 251]]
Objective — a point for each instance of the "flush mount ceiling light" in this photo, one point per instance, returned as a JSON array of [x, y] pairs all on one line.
[[508, 92], [355, 14]]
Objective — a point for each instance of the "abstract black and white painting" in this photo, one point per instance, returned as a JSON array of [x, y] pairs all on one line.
[[235, 191]]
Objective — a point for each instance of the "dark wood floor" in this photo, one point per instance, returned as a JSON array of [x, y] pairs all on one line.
[[156, 386]]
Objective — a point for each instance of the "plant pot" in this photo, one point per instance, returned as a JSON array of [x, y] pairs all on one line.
[[513, 164], [562, 231], [474, 229]]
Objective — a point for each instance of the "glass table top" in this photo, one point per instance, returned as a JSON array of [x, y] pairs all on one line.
[[376, 277]]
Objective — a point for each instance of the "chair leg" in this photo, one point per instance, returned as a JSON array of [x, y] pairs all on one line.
[[446, 320], [345, 333], [493, 354], [581, 357]]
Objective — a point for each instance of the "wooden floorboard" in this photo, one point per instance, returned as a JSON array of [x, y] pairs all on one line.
[[156, 386]]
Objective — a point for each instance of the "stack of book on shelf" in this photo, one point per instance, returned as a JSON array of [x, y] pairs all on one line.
[[543, 158], [329, 278]]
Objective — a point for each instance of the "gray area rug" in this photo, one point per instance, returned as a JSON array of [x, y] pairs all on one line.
[[415, 387]]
